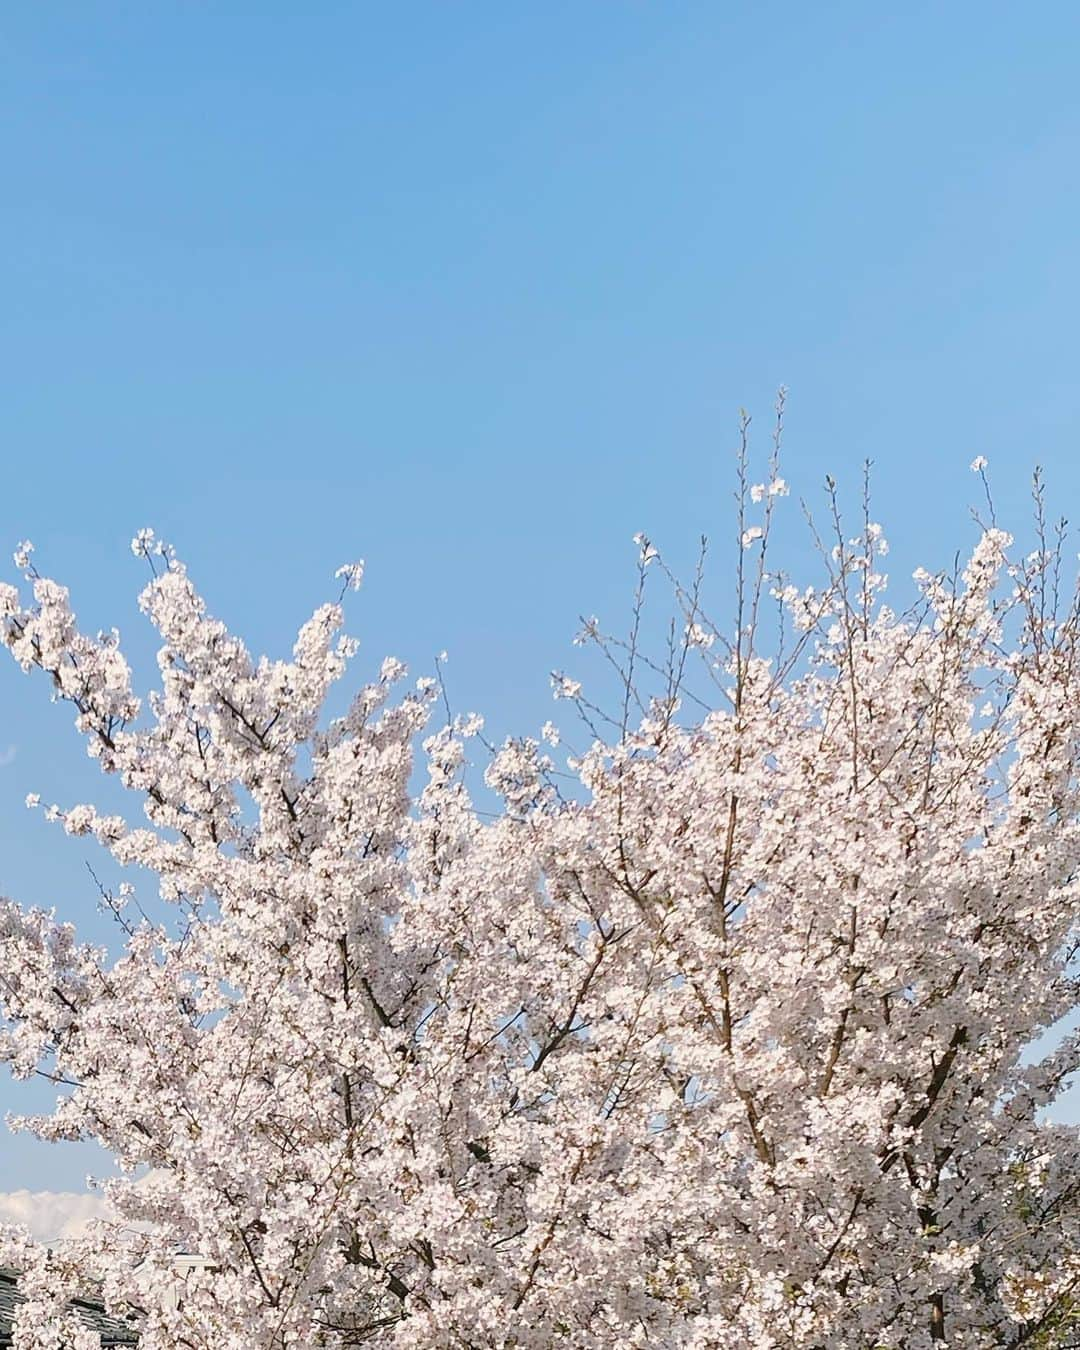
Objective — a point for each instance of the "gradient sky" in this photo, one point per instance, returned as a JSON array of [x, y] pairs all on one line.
[[475, 292]]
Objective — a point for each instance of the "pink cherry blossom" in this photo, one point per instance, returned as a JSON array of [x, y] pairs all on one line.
[[732, 1043]]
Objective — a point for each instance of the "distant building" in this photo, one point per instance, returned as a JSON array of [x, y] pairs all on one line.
[[112, 1330]]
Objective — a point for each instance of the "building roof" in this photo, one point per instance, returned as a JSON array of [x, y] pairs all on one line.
[[112, 1330]]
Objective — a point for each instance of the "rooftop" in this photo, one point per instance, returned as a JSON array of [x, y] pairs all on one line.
[[112, 1330]]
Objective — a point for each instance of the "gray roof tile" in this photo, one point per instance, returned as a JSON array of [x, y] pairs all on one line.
[[112, 1330]]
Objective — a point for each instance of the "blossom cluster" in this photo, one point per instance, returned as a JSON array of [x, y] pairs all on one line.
[[729, 1046]]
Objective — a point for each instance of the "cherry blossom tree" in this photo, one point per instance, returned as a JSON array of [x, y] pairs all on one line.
[[737, 1039]]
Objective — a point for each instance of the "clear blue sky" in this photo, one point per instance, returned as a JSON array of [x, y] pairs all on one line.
[[474, 291]]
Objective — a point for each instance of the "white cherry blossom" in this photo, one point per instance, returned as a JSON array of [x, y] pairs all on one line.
[[730, 1044]]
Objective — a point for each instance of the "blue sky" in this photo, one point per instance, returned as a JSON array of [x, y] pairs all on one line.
[[475, 292]]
